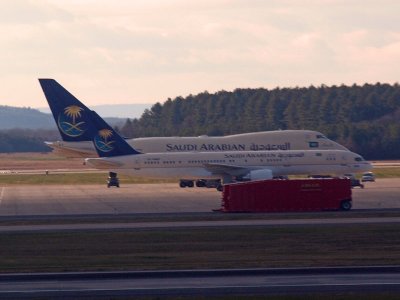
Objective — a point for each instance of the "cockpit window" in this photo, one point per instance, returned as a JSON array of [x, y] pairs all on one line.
[[359, 158], [320, 136]]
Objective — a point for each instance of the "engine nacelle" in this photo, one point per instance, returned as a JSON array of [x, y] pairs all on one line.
[[260, 174]]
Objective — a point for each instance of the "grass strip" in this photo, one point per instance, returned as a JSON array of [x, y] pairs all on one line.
[[199, 248], [72, 179], [101, 177], [393, 172]]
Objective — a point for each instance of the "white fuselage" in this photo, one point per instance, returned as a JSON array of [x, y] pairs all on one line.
[[255, 141], [207, 165]]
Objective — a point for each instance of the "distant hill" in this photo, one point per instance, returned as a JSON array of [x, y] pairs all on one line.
[[30, 118], [26, 129], [16, 117]]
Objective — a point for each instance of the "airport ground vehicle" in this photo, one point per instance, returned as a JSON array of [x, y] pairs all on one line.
[[287, 195], [113, 180], [369, 176], [354, 181]]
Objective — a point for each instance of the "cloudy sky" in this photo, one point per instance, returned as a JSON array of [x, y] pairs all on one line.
[[144, 51]]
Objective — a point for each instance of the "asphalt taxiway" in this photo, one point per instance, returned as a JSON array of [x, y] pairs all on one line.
[[197, 224], [201, 282], [20, 200]]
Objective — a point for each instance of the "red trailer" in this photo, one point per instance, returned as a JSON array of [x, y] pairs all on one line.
[[287, 195]]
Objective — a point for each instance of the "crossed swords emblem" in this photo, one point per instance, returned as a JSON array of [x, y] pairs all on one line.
[[72, 128], [103, 144]]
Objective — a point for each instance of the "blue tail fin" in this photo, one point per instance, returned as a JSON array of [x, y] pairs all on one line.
[[77, 123], [107, 142], [68, 112]]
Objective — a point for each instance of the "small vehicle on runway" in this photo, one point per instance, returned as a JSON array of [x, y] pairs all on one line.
[[369, 176], [354, 181], [113, 180]]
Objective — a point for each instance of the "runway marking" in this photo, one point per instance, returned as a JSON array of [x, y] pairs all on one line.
[[2, 194], [180, 224], [195, 287]]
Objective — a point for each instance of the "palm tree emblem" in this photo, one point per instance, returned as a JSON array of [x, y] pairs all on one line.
[[74, 128], [73, 112], [105, 134], [104, 144]]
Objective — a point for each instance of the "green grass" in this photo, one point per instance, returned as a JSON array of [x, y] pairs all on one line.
[[101, 177], [71, 179], [387, 172], [229, 247]]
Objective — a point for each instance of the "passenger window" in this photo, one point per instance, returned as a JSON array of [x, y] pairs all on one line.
[[313, 144]]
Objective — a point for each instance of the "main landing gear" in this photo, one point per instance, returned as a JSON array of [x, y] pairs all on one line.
[[209, 183], [186, 183]]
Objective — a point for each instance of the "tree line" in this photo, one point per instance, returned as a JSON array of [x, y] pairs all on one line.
[[26, 140], [364, 118]]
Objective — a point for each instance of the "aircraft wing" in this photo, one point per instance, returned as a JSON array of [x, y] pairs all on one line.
[[227, 169], [100, 163], [231, 171]]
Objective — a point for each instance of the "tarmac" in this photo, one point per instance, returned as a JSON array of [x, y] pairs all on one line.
[[22, 200]]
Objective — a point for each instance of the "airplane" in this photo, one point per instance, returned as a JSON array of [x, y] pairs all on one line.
[[67, 112], [117, 155], [74, 144]]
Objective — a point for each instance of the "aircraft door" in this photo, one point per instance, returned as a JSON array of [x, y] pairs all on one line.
[[138, 164]]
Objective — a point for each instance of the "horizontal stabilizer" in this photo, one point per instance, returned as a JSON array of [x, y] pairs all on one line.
[[73, 151], [100, 163]]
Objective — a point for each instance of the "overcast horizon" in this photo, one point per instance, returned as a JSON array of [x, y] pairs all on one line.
[[148, 51]]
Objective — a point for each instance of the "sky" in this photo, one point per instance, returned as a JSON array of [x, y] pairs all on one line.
[[146, 51]]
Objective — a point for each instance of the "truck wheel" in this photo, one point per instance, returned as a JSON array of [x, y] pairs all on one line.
[[200, 183], [345, 205], [190, 184], [182, 184]]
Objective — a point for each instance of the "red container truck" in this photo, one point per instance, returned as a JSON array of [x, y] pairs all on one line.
[[287, 195]]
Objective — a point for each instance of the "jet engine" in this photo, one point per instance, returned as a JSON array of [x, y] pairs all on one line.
[[260, 174]]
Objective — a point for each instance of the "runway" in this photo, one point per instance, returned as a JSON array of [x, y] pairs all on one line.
[[51, 201], [22, 200], [202, 282], [197, 224]]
